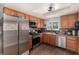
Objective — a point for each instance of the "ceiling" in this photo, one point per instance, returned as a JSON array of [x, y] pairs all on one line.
[[38, 9]]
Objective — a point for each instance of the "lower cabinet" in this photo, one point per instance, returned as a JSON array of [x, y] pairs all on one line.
[[30, 42], [46, 38], [41, 38], [78, 45], [52, 40], [72, 44], [49, 39]]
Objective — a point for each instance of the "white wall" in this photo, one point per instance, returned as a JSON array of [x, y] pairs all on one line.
[[49, 23]]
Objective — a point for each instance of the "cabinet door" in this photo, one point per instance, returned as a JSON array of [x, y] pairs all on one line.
[[9, 11], [78, 45], [19, 14], [37, 23], [72, 45], [41, 38], [41, 23], [64, 22], [52, 40], [13, 13], [27, 17], [30, 42], [68, 21], [71, 20], [45, 38], [78, 15]]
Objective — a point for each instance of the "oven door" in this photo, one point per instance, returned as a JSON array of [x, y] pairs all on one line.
[[35, 41]]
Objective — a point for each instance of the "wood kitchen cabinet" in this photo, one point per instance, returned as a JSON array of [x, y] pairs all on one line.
[[32, 18], [41, 37], [49, 39], [72, 44], [78, 45], [78, 16], [46, 38], [20, 14], [52, 40], [38, 21], [41, 23], [30, 42], [64, 22], [71, 20], [10, 11], [27, 17], [68, 21], [13, 12]]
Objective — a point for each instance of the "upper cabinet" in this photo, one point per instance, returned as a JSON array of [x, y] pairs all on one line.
[[78, 16], [19, 14], [27, 17], [71, 19], [10, 11], [32, 18], [67, 21], [39, 22], [64, 21]]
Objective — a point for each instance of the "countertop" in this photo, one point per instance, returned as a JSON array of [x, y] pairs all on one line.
[[51, 33]]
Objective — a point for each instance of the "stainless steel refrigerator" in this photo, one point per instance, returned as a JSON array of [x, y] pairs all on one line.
[[23, 35], [15, 35], [10, 35], [1, 29]]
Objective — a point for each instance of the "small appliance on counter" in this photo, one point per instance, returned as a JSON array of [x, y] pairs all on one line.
[[71, 31]]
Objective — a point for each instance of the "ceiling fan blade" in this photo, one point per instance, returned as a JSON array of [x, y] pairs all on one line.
[[55, 11]]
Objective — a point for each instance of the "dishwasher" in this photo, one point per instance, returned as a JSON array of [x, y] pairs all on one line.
[[61, 41]]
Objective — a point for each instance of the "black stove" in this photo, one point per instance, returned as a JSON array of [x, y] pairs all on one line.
[[35, 39]]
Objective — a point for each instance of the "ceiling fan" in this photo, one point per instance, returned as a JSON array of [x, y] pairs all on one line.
[[53, 10]]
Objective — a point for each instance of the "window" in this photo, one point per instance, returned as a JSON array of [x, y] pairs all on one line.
[[55, 25]]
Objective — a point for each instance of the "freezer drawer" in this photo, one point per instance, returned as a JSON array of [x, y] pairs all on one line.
[[23, 47], [0, 45], [0, 36], [10, 39]]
